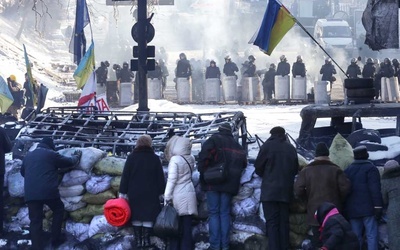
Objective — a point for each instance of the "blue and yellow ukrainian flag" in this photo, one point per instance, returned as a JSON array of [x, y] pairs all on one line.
[[6, 99], [276, 23], [85, 68]]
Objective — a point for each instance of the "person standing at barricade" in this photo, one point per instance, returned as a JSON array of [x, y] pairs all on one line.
[[353, 71], [5, 147], [15, 89], [213, 71], [327, 71], [221, 147], [250, 70], [40, 172], [268, 83], [156, 73], [377, 78], [277, 164], [369, 69], [183, 68], [30, 92], [299, 68], [126, 75], [165, 74], [363, 205], [387, 69], [230, 67], [396, 67], [102, 73], [283, 67]]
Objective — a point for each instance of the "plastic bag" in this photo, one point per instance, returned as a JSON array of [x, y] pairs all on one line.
[[167, 223]]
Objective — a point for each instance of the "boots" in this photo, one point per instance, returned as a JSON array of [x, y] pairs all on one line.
[[137, 231], [146, 237]]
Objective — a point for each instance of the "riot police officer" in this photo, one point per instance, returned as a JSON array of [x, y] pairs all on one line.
[[183, 68], [213, 71], [369, 69], [250, 69], [283, 67], [353, 71], [299, 69], [268, 83], [327, 71], [230, 67]]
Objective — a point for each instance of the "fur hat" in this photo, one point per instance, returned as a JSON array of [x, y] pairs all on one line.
[[49, 142], [277, 131], [144, 141], [390, 164], [321, 150], [225, 126], [360, 153]]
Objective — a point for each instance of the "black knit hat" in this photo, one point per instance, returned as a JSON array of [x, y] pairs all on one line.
[[360, 153], [321, 150], [277, 131], [225, 126], [49, 142]]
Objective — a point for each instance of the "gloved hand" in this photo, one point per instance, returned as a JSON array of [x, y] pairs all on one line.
[[378, 213], [78, 153]]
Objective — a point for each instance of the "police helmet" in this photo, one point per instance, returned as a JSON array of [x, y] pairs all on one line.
[[182, 56], [282, 58], [272, 66], [299, 58], [212, 62], [369, 60], [327, 60], [125, 65], [353, 60], [251, 58], [227, 58], [107, 63]]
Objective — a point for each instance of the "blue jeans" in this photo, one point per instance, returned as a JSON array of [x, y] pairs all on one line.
[[219, 221], [371, 231]]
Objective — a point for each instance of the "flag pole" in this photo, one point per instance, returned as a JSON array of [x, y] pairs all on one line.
[[319, 45]]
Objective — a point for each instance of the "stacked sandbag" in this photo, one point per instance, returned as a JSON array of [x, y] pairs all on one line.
[[341, 152]]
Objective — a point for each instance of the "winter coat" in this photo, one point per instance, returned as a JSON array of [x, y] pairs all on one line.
[[283, 69], [40, 172], [156, 73], [143, 181], [353, 71], [368, 70], [387, 70], [321, 181], [125, 75], [336, 232], [218, 148], [277, 164], [365, 193], [5, 147], [327, 71], [179, 186], [250, 70], [183, 68], [391, 198], [269, 78], [299, 69], [213, 72], [16, 92], [230, 68]]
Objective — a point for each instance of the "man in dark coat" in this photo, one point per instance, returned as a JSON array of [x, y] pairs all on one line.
[[387, 69], [396, 67], [213, 71], [369, 69], [321, 181], [221, 147], [299, 68], [353, 71], [249, 70], [268, 82], [5, 147], [125, 74], [156, 73], [183, 68], [335, 230], [142, 183], [364, 204], [230, 67], [40, 172], [277, 164], [283, 67]]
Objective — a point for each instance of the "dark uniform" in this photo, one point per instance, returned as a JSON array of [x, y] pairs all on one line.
[[353, 71], [183, 68], [327, 71], [268, 82], [230, 67], [369, 70], [299, 69], [213, 71]]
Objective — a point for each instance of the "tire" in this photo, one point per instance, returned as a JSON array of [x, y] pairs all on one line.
[[359, 100], [359, 83], [364, 92], [360, 135]]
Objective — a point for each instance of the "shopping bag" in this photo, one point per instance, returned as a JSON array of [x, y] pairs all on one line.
[[167, 222]]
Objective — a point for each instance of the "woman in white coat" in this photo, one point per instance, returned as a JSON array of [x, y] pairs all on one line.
[[180, 190]]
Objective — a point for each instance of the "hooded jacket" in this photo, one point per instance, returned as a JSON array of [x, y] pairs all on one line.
[[40, 172], [277, 164], [321, 181], [336, 233], [222, 147], [179, 186]]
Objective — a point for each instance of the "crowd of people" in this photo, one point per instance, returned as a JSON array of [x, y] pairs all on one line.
[[343, 207]]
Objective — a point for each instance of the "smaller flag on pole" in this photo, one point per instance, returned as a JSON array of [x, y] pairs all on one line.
[[30, 77], [276, 23], [6, 98], [85, 68]]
